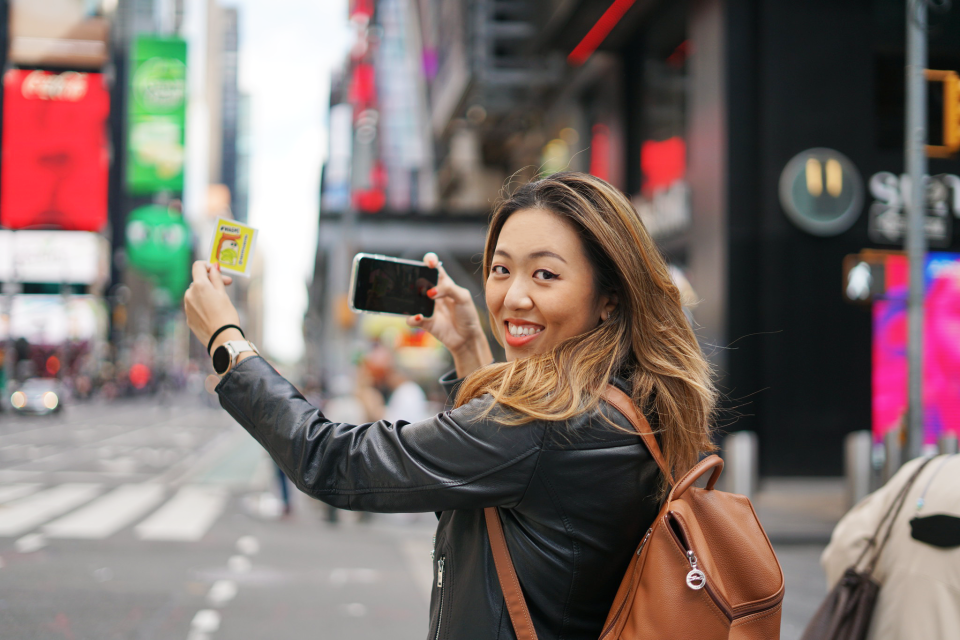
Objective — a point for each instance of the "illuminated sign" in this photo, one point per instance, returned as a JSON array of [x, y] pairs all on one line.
[[54, 256], [55, 156], [821, 192], [941, 349], [888, 224], [664, 201], [158, 108], [58, 33]]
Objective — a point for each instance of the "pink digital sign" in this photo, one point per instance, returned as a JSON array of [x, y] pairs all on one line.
[[941, 352]]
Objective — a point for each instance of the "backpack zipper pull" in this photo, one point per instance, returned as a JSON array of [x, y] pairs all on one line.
[[440, 572], [696, 579]]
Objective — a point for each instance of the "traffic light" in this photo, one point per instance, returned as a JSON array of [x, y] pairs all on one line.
[[951, 113]]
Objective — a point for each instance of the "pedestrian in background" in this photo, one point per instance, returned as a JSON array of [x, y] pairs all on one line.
[[580, 297], [919, 568]]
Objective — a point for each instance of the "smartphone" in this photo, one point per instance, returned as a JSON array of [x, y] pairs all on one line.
[[381, 284]]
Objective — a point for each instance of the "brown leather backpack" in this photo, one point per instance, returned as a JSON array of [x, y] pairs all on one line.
[[705, 569]]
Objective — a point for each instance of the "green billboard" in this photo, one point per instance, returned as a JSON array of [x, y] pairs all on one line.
[[157, 109]]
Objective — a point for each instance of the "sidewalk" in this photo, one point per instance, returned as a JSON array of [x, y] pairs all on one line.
[[799, 515], [800, 510]]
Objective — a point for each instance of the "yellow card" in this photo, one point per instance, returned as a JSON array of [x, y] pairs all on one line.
[[232, 247]]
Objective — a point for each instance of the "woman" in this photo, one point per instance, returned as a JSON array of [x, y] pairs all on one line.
[[579, 297]]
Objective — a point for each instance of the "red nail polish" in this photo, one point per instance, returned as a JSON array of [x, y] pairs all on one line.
[[431, 292], [418, 317]]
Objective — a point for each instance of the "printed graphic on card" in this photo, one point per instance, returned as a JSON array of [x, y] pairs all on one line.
[[232, 247]]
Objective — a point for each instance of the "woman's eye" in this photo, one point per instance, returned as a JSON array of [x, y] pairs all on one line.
[[499, 270], [543, 274]]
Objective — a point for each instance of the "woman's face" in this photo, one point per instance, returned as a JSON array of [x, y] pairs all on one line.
[[540, 288]]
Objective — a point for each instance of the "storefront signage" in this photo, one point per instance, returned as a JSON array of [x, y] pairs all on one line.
[[888, 222], [157, 115], [664, 200], [55, 157], [667, 213], [821, 191]]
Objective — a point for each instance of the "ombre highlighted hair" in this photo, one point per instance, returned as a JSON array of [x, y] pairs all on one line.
[[647, 340]]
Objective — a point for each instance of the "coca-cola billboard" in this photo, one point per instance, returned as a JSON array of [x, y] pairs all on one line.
[[55, 158]]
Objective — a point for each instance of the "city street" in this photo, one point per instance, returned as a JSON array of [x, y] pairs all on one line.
[[141, 521], [152, 520]]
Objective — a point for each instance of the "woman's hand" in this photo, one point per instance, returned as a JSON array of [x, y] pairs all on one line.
[[207, 305], [455, 322]]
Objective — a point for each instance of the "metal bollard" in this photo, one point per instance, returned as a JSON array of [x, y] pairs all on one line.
[[894, 454], [858, 465], [740, 463], [948, 444]]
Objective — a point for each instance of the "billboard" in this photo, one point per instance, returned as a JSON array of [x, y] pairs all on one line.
[[55, 156], [58, 33], [157, 113], [74, 257], [941, 348]]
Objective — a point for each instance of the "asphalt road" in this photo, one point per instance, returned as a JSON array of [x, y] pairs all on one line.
[[149, 520]]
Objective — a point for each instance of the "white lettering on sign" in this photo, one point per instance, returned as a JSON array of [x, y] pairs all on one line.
[[667, 212], [43, 85], [888, 223]]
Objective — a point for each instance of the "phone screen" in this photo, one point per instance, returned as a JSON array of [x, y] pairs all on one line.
[[386, 286]]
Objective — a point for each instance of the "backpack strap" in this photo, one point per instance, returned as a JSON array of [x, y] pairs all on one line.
[[622, 403], [506, 573]]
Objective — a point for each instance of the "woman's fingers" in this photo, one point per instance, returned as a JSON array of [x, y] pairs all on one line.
[[215, 278], [446, 287], [200, 269]]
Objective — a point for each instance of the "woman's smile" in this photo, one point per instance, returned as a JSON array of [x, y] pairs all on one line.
[[520, 332]]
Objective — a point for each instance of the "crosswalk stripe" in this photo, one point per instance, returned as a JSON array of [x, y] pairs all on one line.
[[186, 517], [25, 513], [13, 491], [108, 514]]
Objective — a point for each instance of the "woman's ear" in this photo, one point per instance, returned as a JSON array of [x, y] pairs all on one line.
[[608, 304]]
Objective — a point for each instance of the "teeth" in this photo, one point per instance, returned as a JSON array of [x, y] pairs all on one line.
[[525, 330]]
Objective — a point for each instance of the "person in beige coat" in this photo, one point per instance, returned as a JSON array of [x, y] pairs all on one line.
[[920, 593]]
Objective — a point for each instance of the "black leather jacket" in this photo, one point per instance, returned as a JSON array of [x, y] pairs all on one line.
[[575, 497]]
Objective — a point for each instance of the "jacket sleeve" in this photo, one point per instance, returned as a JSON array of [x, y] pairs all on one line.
[[455, 460]]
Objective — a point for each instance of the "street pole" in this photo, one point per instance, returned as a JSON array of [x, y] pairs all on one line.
[[916, 240]]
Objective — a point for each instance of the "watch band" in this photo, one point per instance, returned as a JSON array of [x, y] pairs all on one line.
[[218, 332]]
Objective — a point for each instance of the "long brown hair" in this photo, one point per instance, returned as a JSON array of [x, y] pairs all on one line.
[[646, 339]]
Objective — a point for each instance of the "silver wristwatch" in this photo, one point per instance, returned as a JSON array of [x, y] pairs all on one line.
[[225, 356]]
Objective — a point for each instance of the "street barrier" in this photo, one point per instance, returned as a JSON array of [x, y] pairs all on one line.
[[893, 451], [948, 443], [740, 455], [858, 465]]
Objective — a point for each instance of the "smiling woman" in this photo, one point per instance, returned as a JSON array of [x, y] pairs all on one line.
[[542, 444], [579, 292]]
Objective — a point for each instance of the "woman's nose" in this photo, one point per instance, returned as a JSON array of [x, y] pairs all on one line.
[[517, 296]]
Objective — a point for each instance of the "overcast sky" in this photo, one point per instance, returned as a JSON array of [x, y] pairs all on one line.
[[287, 51]]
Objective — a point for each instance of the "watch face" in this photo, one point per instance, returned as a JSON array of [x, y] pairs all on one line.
[[221, 360]]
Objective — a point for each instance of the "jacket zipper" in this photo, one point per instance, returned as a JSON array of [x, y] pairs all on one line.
[[440, 562]]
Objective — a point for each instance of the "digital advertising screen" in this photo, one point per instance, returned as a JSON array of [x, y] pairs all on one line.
[[941, 349], [157, 115], [55, 155]]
